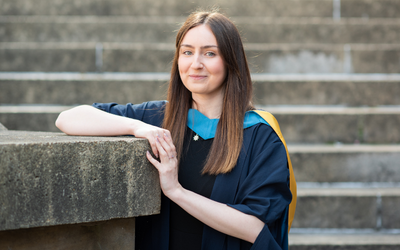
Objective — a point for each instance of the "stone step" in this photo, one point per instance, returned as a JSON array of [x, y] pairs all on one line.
[[338, 124], [275, 8], [344, 240], [269, 89], [298, 124], [147, 29], [347, 207], [338, 163], [262, 58], [76, 88]]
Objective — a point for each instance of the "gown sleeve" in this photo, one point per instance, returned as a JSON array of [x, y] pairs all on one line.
[[263, 190], [149, 112]]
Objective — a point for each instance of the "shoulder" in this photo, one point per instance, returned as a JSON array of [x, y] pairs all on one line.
[[261, 139], [150, 112]]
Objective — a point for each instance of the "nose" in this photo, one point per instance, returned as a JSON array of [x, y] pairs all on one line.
[[197, 62]]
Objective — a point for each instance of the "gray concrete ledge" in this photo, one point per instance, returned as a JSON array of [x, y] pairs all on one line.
[[51, 179], [113, 234], [2, 128], [344, 239]]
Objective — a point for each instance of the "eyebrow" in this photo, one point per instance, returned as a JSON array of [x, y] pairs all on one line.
[[203, 47]]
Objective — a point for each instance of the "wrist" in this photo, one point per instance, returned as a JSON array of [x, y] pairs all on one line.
[[176, 194], [134, 126]]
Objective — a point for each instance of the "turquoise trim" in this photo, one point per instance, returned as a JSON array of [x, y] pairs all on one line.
[[251, 118], [206, 127]]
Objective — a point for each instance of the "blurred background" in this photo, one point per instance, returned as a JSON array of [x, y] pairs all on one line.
[[329, 70]]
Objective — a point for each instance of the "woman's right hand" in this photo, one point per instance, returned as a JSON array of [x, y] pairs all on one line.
[[150, 132]]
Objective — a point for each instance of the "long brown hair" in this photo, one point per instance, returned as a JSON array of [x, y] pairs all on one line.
[[228, 139]]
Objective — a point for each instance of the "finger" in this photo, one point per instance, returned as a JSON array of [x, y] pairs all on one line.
[[170, 142], [153, 147], [167, 134], [152, 160], [163, 154], [168, 147]]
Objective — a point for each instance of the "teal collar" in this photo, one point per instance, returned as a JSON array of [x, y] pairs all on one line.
[[206, 127]]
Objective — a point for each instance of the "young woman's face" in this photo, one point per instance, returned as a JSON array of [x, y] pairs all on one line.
[[200, 63]]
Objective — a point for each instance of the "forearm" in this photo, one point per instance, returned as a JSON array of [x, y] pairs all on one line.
[[87, 120], [219, 216]]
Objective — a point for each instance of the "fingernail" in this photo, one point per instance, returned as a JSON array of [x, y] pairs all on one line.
[[165, 135]]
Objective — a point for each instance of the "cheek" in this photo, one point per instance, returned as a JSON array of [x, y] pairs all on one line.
[[220, 69], [182, 65]]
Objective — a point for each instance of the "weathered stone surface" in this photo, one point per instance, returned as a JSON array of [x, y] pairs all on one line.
[[318, 128], [277, 59], [370, 8], [143, 60], [52, 179], [165, 8], [68, 92], [335, 212], [344, 241], [346, 93], [2, 128], [55, 60], [30, 121], [112, 234], [346, 167], [163, 30], [390, 212]]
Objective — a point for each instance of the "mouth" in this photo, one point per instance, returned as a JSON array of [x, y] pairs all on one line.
[[197, 77]]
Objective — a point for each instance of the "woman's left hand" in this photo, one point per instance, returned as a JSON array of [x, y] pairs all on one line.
[[167, 166]]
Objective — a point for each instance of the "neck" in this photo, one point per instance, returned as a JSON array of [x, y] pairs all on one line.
[[210, 107]]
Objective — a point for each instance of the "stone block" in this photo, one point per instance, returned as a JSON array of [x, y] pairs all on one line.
[[344, 241], [370, 8], [48, 60], [264, 58], [390, 212], [49, 179], [30, 121], [364, 61], [141, 60], [335, 212], [2, 128], [369, 166], [344, 92], [89, 29], [77, 89], [72, 92], [142, 29], [112, 234], [169, 8], [344, 128]]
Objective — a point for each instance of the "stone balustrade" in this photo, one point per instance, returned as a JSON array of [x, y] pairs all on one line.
[[73, 192]]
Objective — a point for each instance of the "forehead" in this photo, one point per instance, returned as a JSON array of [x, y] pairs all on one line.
[[201, 35]]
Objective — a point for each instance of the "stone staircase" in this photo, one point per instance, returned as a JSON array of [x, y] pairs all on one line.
[[329, 70]]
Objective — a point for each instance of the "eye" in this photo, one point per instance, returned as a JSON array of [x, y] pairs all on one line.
[[187, 53], [211, 54]]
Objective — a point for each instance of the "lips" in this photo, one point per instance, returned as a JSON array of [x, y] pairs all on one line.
[[197, 77]]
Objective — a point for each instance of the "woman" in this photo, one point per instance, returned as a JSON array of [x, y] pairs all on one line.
[[231, 190]]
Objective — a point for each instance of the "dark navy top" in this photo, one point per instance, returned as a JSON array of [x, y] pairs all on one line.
[[258, 185], [186, 231]]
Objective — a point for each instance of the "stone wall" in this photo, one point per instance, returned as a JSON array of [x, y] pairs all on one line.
[[63, 182]]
